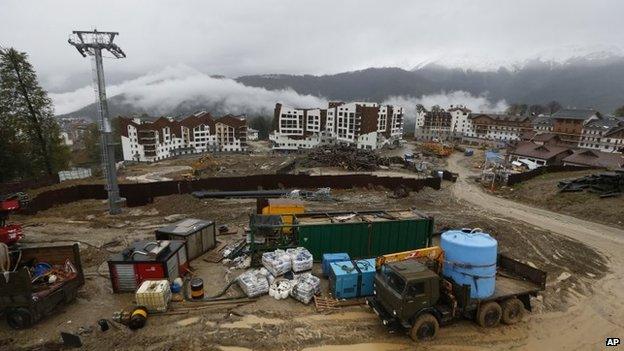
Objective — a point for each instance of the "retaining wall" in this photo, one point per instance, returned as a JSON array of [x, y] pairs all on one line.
[[144, 193]]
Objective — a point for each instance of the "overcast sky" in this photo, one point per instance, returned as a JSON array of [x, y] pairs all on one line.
[[234, 38]]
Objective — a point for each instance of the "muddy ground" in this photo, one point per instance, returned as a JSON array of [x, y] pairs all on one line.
[[542, 192], [573, 269]]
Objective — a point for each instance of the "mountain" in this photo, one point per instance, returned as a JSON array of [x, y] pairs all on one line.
[[580, 82], [576, 83], [119, 105], [373, 84]]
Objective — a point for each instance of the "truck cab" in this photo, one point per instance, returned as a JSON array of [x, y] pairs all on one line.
[[404, 288]]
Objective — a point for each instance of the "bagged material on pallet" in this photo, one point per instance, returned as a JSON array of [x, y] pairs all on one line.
[[277, 262], [306, 286], [301, 259], [253, 283], [280, 289]]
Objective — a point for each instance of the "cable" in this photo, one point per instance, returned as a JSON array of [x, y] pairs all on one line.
[[5, 258]]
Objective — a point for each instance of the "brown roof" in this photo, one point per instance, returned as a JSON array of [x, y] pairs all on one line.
[[544, 152], [595, 158], [233, 121], [545, 137]]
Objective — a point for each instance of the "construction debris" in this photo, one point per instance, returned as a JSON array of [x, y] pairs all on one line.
[[604, 184], [347, 157]]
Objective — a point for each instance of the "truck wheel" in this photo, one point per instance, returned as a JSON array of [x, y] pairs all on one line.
[[513, 311], [425, 328], [19, 318], [489, 314]]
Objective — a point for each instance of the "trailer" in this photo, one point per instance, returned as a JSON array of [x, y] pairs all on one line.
[[24, 299], [411, 294], [360, 234]]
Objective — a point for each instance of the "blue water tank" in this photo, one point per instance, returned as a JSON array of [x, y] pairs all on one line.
[[332, 257], [470, 259], [349, 279]]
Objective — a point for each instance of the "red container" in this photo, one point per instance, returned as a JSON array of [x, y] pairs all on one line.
[[10, 234], [130, 268]]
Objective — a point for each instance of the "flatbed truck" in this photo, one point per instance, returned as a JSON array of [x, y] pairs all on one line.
[[412, 295]]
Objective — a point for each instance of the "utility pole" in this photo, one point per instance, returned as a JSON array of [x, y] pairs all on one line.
[[92, 43]]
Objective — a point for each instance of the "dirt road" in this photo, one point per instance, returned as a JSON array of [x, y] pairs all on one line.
[[585, 325]]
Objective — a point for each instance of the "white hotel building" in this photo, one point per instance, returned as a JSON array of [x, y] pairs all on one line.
[[148, 141], [365, 125]]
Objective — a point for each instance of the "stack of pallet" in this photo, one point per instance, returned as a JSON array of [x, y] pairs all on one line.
[[604, 184]]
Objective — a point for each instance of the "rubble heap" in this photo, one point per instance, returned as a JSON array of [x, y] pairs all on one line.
[[604, 184], [347, 157]]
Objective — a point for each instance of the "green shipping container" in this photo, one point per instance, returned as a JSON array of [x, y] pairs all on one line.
[[363, 234]]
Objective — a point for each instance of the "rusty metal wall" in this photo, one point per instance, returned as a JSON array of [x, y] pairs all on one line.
[[144, 193]]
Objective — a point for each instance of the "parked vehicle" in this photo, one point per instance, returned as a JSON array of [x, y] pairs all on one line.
[[27, 291], [411, 294]]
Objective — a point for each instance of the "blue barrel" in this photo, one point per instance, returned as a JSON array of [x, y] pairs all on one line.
[[470, 259]]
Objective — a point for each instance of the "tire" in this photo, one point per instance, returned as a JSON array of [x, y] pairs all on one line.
[[19, 318], [425, 328], [513, 311], [489, 314]]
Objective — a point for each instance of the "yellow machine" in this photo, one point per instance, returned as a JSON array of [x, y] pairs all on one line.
[[284, 207], [434, 253], [438, 149], [204, 163]]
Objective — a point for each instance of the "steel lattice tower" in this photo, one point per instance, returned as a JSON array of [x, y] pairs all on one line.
[[92, 43]]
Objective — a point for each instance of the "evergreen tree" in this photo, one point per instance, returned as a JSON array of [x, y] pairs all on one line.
[[29, 129], [619, 112]]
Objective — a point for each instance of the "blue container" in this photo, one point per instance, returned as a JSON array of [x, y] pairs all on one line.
[[367, 268], [332, 257], [349, 279], [470, 259]]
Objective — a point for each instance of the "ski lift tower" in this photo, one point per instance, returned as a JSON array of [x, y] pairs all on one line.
[[92, 43]]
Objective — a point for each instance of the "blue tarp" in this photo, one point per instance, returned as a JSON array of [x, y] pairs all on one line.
[[493, 156]]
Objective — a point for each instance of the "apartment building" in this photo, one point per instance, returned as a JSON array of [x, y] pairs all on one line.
[[543, 124], [365, 125], [153, 140], [603, 134], [445, 125], [500, 127], [568, 123]]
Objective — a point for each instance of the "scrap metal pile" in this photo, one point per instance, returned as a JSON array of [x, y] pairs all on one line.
[[604, 184], [347, 157]]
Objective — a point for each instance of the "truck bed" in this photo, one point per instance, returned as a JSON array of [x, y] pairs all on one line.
[[506, 286], [516, 278]]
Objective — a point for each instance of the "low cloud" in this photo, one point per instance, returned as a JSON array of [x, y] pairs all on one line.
[[480, 103], [161, 92]]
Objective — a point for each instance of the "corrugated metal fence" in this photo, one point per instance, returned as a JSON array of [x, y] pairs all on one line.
[[524, 176], [144, 193]]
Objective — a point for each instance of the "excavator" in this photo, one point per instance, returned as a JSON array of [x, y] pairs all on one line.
[[204, 163], [438, 149]]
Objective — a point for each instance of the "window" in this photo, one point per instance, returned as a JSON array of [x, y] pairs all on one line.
[[416, 289], [394, 280]]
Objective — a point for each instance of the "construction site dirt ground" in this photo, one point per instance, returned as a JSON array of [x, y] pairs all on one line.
[[583, 302], [542, 191]]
